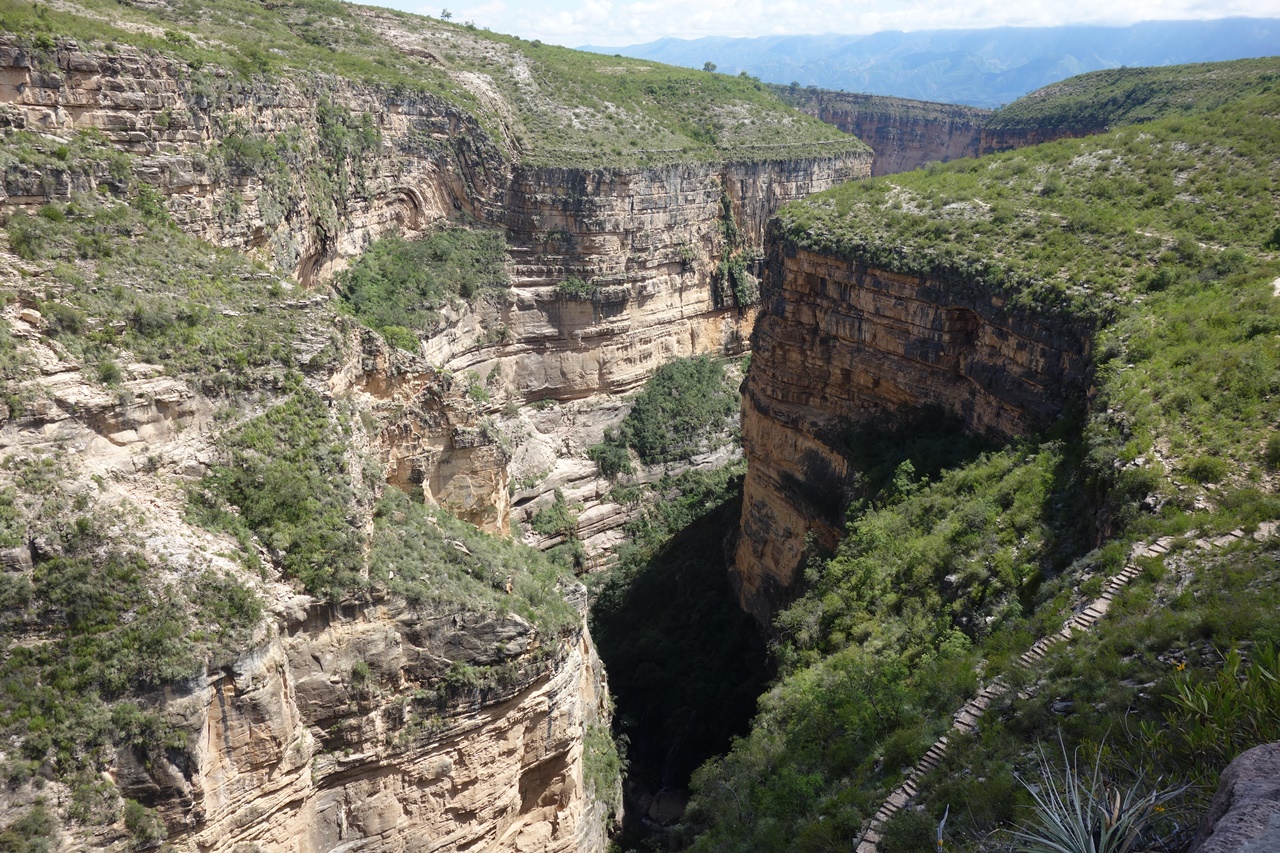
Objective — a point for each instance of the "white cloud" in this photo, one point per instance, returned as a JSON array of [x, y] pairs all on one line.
[[623, 22]]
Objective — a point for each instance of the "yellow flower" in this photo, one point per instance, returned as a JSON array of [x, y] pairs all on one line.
[[1180, 666]]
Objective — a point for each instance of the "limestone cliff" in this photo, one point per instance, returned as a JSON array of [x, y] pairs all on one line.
[[285, 752], [368, 722], [649, 239], [905, 134], [304, 171], [840, 343]]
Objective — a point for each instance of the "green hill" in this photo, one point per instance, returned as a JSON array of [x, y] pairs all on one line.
[[1119, 96]]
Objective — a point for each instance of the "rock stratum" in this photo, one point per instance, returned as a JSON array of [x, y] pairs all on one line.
[[905, 134], [649, 239], [840, 343]]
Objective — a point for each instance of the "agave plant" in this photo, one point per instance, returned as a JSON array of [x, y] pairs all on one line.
[[1079, 811]]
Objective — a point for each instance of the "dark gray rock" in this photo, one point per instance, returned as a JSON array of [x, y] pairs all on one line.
[[1244, 816]]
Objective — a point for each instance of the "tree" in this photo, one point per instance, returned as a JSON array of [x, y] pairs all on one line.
[[446, 15], [708, 66]]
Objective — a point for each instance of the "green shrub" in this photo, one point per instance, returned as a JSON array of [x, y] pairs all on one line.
[[109, 373], [143, 823], [1272, 453], [31, 833], [682, 410], [398, 285], [909, 831], [414, 553], [286, 475], [399, 336], [1207, 469], [611, 456], [575, 289], [558, 519]]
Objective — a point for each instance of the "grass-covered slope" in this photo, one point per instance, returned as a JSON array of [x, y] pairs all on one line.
[[1077, 221], [1119, 96], [549, 105], [1166, 233]]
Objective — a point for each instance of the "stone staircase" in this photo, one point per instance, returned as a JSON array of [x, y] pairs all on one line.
[[966, 719]]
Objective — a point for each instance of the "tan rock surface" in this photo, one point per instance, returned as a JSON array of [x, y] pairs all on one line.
[[841, 344]]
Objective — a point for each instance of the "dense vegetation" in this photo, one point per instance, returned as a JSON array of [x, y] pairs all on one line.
[[118, 282], [414, 553], [1165, 233], [113, 620], [684, 410], [563, 107], [397, 286]]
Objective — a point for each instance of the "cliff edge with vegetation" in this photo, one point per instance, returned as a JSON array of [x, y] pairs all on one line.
[[1128, 280]]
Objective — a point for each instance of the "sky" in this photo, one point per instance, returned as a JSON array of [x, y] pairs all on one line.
[[624, 22]]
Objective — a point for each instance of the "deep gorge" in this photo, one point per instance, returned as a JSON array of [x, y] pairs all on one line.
[[204, 440]]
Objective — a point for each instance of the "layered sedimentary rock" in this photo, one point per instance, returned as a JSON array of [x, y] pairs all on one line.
[[905, 134], [286, 749], [255, 166], [839, 344], [648, 240], [340, 726]]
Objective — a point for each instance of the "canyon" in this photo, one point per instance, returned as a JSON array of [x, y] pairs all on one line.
[[389, 715]]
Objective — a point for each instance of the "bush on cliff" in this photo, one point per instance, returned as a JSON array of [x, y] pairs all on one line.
[[399, 285], [285, 474], [685, 409]]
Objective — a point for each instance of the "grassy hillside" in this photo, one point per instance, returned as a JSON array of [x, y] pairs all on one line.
[[1168, 234], [549, 105], [1121, 96]]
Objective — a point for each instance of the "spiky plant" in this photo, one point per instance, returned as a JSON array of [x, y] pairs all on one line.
[[1078, 810]]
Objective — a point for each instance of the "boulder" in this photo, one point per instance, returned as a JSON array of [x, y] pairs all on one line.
[[1244, 816]]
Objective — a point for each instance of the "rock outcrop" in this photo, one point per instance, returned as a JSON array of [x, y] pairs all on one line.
[[839, 344], [336, 731], [368, 723], [907, 134], [1244, 816]]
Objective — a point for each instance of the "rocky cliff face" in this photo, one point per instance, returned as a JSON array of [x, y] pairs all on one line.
[[905, 134], [305, 172], [337, 725], [287, 752], [839, 343]]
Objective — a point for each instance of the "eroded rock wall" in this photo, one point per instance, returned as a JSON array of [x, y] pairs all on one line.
[[288, 751], [839, 343], [905, 134], [340, 726], [258, 166]]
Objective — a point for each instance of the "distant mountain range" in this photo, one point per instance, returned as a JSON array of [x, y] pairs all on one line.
[[985, 68]]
